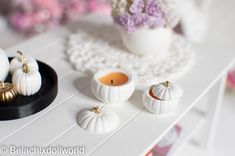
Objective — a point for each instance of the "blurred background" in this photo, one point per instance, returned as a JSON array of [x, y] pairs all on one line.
[[22, 19]]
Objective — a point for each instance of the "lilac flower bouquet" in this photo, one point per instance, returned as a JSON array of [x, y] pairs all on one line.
[[133, 14]]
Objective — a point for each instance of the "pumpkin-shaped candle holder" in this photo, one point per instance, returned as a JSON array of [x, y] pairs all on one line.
[[112, 86], [162, 99]]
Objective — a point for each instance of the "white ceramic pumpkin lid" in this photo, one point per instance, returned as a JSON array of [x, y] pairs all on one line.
[[98, 119], [167, 91]]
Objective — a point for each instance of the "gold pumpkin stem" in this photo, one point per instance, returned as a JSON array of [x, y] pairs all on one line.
[[167, 84], [26, 68], [96, 110], [22, 58], [2, 84]]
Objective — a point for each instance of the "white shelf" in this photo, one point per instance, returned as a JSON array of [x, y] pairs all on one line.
[[191, 150], [190, 124]]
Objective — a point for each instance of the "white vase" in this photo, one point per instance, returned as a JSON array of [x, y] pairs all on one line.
[[145, 41]]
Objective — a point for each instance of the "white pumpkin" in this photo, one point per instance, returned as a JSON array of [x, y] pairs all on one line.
[[4, 65], [27, 81], [17, 62], [98, 119], [167, 91], [162, 99], [113, 95]]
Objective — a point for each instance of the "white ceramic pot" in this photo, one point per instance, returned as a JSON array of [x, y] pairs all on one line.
[[148, 41], [159, 107], [114, 95]]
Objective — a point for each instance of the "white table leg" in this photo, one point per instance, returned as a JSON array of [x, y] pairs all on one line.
[[216, 95]]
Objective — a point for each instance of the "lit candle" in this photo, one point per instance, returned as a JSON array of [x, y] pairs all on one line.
[[114, 79], [112, 86]]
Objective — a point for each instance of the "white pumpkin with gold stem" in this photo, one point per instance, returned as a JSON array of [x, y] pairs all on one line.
[[98, 119], [4, 65], [162, 99], [17, 62], [27, 80]]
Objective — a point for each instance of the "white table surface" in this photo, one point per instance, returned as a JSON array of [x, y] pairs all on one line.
[[138, 130]]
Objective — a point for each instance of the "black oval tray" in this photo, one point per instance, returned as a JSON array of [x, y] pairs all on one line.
[[24, 106]]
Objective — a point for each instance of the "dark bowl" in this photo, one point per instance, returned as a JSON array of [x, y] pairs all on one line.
[[23, 106]]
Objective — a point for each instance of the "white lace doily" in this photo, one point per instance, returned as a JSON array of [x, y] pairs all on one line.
[[90, 51]]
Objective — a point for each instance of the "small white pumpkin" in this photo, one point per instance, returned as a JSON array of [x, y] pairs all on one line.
[[113, 95], [162, 99], [98, 119], [4, 65], [167, 91], [17, 62], [27, 81]]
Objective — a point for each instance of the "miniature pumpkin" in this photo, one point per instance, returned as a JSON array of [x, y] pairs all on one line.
[[167, 91], [7, 92], [4, 65], [163, 98], [98, 119], [27, 81], [112, 94], [17, 62]]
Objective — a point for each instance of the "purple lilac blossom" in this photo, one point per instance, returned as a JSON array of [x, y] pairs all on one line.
[[137, 6], [154, 22], [141, 15], [152, 8], [126, 22], [139, 19]]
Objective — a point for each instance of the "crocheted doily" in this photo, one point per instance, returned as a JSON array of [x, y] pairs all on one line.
[[90, 51]]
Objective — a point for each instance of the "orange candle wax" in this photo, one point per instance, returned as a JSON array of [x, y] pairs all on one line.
[[114, 79]]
